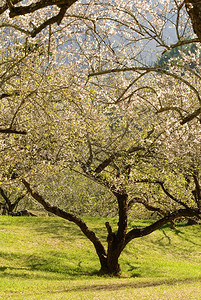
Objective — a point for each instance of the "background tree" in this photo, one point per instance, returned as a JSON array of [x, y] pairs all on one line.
[[10, 200]]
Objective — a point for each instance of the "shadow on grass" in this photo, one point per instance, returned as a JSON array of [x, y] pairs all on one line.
[[51, 265], [183, 237], [59, 228], [178, 232], [26, 273]]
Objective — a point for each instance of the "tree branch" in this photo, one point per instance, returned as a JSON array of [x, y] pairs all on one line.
[[27, 9], [190, 117], [197, 192], [164, 190], [70, 217], [146, 205], [136, 233], [168, 108], [161, 70], [19, 198], [111, 234], [12, 131], [15, 27], [181, 43], [10, 4], [106, 163], [112, 157], [56, 19], [171, 196], [31, 8]]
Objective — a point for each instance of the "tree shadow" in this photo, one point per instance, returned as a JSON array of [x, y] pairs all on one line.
[[181, 235], [48, 264], [61, 230], [26, 273], [166, 236]]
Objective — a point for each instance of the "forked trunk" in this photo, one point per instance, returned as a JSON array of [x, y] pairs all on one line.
[[116, 241]]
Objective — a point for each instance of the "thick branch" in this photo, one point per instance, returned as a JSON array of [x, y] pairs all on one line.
[[56, 19], [171, 196], [27, 9], [70, 217], [136, 233], [31, 8], [90, 159], [197, 194], [5, 95], [111, 234], [123, 216], [112, 157], [19, 198], [10, 4], [106, 163], [190, 117], [12, 131]]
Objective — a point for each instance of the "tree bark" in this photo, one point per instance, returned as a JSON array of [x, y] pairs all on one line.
[[193, 8], [116, 241]]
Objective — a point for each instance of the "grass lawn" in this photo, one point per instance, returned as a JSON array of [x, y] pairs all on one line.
[[49, 258]]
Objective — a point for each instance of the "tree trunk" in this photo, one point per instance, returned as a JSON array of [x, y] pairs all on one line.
[[111, 266], [116, 241]]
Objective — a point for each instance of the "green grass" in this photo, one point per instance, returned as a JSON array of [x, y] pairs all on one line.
[[49, 258]]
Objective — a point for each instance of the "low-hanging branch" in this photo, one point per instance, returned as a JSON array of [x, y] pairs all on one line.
[[70, 217], [136, 233]]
